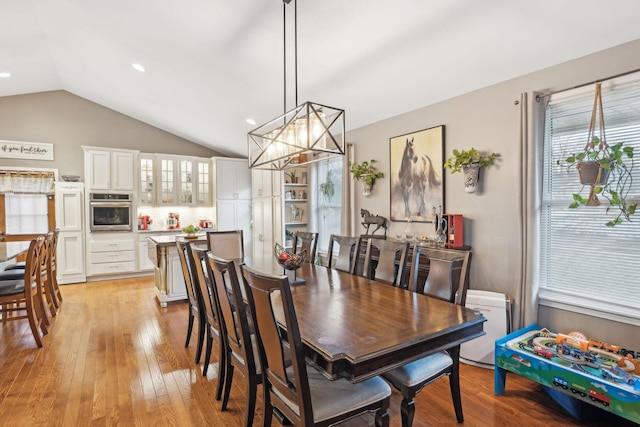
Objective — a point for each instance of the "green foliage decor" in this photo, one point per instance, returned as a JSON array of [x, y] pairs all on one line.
[[328, 187], [365, 172], [464, 157], [617, 162], [191, 229]]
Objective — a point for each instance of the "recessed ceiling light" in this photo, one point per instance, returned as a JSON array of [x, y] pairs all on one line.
[[138, 67], [5, 74], [251, 121]]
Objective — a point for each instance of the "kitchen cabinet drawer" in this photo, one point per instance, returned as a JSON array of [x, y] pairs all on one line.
[[112, 245], [112, 267], [112, 256]]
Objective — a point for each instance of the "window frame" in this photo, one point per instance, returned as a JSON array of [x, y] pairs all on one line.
[[624, 307]]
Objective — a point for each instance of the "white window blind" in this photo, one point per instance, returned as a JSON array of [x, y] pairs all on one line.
[[586, 266]]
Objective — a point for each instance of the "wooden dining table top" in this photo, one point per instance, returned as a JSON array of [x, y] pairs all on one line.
[[11, 250], [357, 328]]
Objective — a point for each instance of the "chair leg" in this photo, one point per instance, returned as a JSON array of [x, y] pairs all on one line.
[[382, 418], [454, 384], [225, 370], [252, 389], [228, 379], [207, 356], [407, 411], [201, 331], [189, 328], [267, 414], [33, 323], [41, 305]]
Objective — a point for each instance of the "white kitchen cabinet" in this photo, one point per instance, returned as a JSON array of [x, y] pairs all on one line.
[[144, 263], [109, 170], [186, 182], [203, 182], [232, 190], [177, 180], [69, 202], [147, 180], [111, 254], [233, 179], [168, 190], [70, 258]]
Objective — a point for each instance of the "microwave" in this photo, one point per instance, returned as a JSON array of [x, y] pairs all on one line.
[[110, 212]]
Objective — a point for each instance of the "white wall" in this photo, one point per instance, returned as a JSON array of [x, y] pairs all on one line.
[[488, 120]]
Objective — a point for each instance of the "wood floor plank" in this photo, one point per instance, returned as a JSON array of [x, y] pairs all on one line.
[[115, 357]]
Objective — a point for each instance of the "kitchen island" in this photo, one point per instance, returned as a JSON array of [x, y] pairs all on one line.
[[169, 281]]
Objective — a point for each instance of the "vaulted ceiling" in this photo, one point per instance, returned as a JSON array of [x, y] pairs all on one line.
[[211, 64]]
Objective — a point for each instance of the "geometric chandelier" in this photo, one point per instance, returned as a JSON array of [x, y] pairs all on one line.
[[309, 133]]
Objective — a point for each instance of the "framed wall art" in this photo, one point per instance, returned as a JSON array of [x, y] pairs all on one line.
[[417, 178]]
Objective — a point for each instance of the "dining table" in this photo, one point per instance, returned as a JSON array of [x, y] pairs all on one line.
[[356, 328], [11, 250]]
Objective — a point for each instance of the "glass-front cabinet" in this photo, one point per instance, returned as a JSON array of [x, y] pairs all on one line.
[[204, 182], [167, 177], [147, 194], [166, 180], [185, 189]]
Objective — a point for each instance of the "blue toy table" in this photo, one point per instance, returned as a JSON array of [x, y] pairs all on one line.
[[580, 380]]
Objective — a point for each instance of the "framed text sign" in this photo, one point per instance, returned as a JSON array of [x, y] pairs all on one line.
[[26, 150], [417, 184]]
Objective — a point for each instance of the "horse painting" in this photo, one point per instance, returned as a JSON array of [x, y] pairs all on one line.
[[415, 177], [416, 182], [368, 220]]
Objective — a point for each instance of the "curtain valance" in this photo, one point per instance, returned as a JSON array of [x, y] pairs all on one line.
[[26, 182]]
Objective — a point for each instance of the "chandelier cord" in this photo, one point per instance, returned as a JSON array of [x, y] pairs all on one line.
[[295, 49], [295, 45], [284, 52]]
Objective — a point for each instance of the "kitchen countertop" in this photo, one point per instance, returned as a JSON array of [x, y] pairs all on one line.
[[176, 230], [171, 240]]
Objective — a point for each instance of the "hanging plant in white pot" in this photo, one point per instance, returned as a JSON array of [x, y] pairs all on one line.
[[469, 163], [367, 173]]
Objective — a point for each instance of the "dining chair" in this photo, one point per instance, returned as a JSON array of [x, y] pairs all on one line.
[[241, 346], [346, 258], [292, 389], [53, 266], [411, 378], [46, 274], [211, 315], [193, 298], [308, 241], [391, 261], [48, 292], [226, 244], [25, 294]]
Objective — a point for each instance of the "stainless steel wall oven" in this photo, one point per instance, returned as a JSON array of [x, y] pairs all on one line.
[[110, 212]]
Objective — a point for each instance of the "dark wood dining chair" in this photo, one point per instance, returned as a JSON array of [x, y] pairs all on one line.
[[391, 260], [345, 259], [211, 315], [241, 346], [309, 241], [226, 244], [293, 390], [447, 280], [193, 298], [23, 295]]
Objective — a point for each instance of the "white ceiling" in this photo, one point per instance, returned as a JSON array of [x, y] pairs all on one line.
[[211, 63]]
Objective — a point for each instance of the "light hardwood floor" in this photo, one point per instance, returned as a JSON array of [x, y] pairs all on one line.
[[115, 357]]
